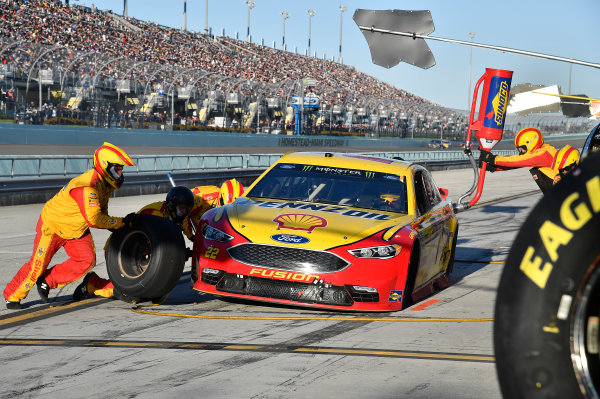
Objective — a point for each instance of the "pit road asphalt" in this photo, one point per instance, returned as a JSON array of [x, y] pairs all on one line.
[[196, 345]]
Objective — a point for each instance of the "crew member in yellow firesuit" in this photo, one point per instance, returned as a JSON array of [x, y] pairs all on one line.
[[176, 207], [65, 221], [208, 197], [533, 153], [566, 159], [180, 206]]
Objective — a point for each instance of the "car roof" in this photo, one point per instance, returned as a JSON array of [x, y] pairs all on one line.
[[350, 161]]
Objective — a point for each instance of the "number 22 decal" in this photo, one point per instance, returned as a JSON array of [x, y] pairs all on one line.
[[211, 253]]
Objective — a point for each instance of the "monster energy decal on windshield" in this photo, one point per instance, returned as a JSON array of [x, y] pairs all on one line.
[[333, 171]]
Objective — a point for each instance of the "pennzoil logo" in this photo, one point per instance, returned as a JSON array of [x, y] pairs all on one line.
[[299, 221], [282, 275]]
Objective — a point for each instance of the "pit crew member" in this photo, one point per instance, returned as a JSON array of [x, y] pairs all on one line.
[[65, 221], [533, 153]]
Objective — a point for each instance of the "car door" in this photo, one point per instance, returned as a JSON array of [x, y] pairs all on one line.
[[433, 227]]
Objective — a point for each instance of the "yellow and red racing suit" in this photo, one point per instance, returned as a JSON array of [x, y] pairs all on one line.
[[64, 222], [540, 161], [206, 197]]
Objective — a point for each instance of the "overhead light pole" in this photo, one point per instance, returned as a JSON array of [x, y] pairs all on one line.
[[125, 8], [285, 16], [184, 27], [251, 5], [206, 17], [342, 9], [311, 13], [472, 35]]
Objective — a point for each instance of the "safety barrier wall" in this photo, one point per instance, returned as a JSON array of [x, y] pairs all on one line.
[[16, 167]]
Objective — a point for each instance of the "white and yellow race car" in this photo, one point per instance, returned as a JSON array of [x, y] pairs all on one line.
[[330, 230]]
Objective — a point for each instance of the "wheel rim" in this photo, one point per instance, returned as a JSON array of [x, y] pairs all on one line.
[[135, 254], [584, 333]]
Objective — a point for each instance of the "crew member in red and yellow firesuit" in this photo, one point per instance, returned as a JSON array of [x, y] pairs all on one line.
[[533, 153], [565, 160], [176, 207], [183, 206], [65, 221], [208, 197]]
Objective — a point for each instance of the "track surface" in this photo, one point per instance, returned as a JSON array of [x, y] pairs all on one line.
[[195, 345]]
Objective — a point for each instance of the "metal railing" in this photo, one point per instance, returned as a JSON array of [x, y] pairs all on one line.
[[31, 166]]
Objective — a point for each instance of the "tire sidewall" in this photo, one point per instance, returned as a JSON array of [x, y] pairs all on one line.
[[532, 339], [167, 258]]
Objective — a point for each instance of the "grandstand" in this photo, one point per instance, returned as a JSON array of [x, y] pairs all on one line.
[[78, 65]]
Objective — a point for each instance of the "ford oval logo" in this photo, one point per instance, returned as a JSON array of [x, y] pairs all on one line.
[[289, 239]]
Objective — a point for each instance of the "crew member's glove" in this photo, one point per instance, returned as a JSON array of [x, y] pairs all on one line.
[[130, 220], [487, 157]]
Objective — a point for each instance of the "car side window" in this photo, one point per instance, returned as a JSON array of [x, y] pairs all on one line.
[[421, 194], [432, 190]]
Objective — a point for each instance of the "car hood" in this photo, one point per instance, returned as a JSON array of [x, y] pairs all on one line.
[[308, 225]]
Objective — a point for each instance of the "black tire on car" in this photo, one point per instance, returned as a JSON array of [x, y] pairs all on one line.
[[146, 261], [548, 304]]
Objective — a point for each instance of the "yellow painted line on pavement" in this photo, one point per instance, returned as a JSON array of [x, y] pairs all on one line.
[[139, 344], [46, 311], [216, 346], [31, 342], [309, 318], [397, 354]]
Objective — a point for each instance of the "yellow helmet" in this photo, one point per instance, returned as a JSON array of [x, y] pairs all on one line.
[[528, 140], [230, 190], [105, 158], [566, 159]]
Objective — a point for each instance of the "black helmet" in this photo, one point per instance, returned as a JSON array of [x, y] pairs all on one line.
[[180, 201]]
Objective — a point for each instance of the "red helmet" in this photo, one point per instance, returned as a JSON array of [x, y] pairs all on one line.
[[105, 158]]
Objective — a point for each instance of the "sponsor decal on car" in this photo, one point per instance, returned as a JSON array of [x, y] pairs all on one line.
[[290, 239], [323, 208], [395, 296], [283, 275], [299, 221]]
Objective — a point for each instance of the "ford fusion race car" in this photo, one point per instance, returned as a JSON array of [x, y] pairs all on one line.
[[330, 230]]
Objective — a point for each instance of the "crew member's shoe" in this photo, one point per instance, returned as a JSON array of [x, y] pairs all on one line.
[[13, 305], [43, 289], [81, 291]]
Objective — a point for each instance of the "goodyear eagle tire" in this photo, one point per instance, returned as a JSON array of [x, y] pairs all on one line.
[[146, 261], [548, 304]]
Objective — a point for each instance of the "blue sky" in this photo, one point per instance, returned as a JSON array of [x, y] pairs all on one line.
[[560, 28]]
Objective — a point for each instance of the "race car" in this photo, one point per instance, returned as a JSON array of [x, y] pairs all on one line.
[[330, 230]]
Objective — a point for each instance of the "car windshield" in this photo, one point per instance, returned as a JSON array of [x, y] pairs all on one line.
[[329, 185]]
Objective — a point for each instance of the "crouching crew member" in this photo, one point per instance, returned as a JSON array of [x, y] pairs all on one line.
[[65, 221], [533, 153]]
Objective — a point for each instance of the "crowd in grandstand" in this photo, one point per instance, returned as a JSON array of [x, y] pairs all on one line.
[[77, 30]]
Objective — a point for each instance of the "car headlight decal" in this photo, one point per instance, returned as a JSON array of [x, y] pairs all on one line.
[[214, 234], [379, 252]]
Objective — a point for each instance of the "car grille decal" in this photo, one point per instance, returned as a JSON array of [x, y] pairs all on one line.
[[284, 258]]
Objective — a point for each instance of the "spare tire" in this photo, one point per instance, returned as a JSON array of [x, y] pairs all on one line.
[[547, 314], [146, 261]]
